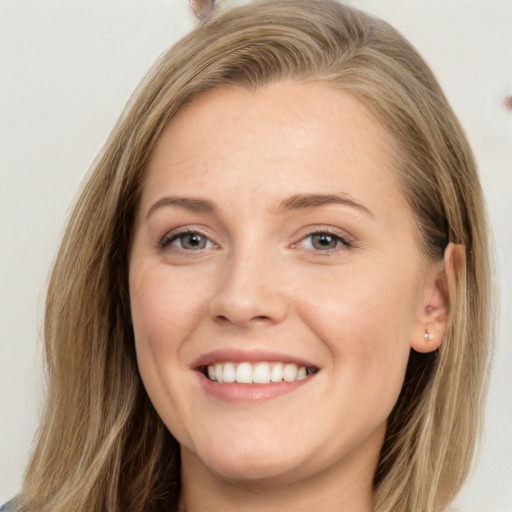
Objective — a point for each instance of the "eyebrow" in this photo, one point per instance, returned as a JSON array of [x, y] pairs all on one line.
[[295, 202], [301, 201], [191, 204]]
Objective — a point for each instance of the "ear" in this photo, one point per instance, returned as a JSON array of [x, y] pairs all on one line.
[[438, 289]]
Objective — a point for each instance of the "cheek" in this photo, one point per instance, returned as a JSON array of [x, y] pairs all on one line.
[[362, 333], [367, 320], [163, 309], [162, 320]]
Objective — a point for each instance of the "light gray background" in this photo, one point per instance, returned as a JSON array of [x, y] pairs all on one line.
[[66, 70]]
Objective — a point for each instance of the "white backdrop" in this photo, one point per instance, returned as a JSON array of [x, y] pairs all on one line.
[[67, 69]]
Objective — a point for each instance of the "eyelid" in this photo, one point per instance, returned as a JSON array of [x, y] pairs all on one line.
[[347, 241], [175, 233]]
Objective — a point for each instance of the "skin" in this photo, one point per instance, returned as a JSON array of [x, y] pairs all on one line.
[[354, 310]]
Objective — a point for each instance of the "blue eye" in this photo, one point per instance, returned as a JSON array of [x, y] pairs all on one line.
[[186, 240]]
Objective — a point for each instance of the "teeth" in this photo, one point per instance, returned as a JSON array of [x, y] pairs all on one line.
[[244, 373], [259, 373], [290, 372], [229, 375], [218, 372], [276, 375]]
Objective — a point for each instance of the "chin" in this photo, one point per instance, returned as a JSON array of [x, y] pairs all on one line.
[[256, 470], [241, 461]]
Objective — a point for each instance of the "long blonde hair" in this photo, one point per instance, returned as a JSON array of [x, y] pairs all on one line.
[[101, 445]]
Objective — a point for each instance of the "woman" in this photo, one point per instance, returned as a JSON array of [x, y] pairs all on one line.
[[273, 293]]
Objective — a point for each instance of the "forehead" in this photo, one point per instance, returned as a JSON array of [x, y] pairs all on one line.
[[283, 139]]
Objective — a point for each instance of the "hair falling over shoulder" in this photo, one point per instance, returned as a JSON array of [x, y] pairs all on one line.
[[101, 445]]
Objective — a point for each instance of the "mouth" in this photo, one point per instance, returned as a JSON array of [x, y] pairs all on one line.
[[252, 375], [261, 373]]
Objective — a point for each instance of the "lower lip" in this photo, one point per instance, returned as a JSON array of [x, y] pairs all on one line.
[[235, 392]]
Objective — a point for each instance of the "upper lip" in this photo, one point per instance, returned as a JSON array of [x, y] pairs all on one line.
[[236, 355]]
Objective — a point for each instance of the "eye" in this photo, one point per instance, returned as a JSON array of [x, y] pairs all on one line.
[[324, 241], [186, 241], [191, 241]]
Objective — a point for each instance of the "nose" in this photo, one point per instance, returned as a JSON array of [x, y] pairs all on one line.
[[250, 291]]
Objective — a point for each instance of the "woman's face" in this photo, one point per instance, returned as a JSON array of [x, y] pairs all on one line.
[[273, 244]]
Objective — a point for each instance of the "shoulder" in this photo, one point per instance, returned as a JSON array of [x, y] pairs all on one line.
[[10, 506]]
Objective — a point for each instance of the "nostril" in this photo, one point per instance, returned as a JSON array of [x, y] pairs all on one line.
[[235, 302], [259, 318]]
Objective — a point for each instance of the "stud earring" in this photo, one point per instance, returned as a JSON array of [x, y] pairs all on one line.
[[427, 336]]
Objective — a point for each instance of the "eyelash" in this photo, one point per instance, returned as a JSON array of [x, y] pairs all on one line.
[[173, 236], [342, 244]]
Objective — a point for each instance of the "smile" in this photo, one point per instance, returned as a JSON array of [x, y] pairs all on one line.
[[257, 373]]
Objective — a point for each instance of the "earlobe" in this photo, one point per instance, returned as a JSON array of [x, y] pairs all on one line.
[[439, 292]]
